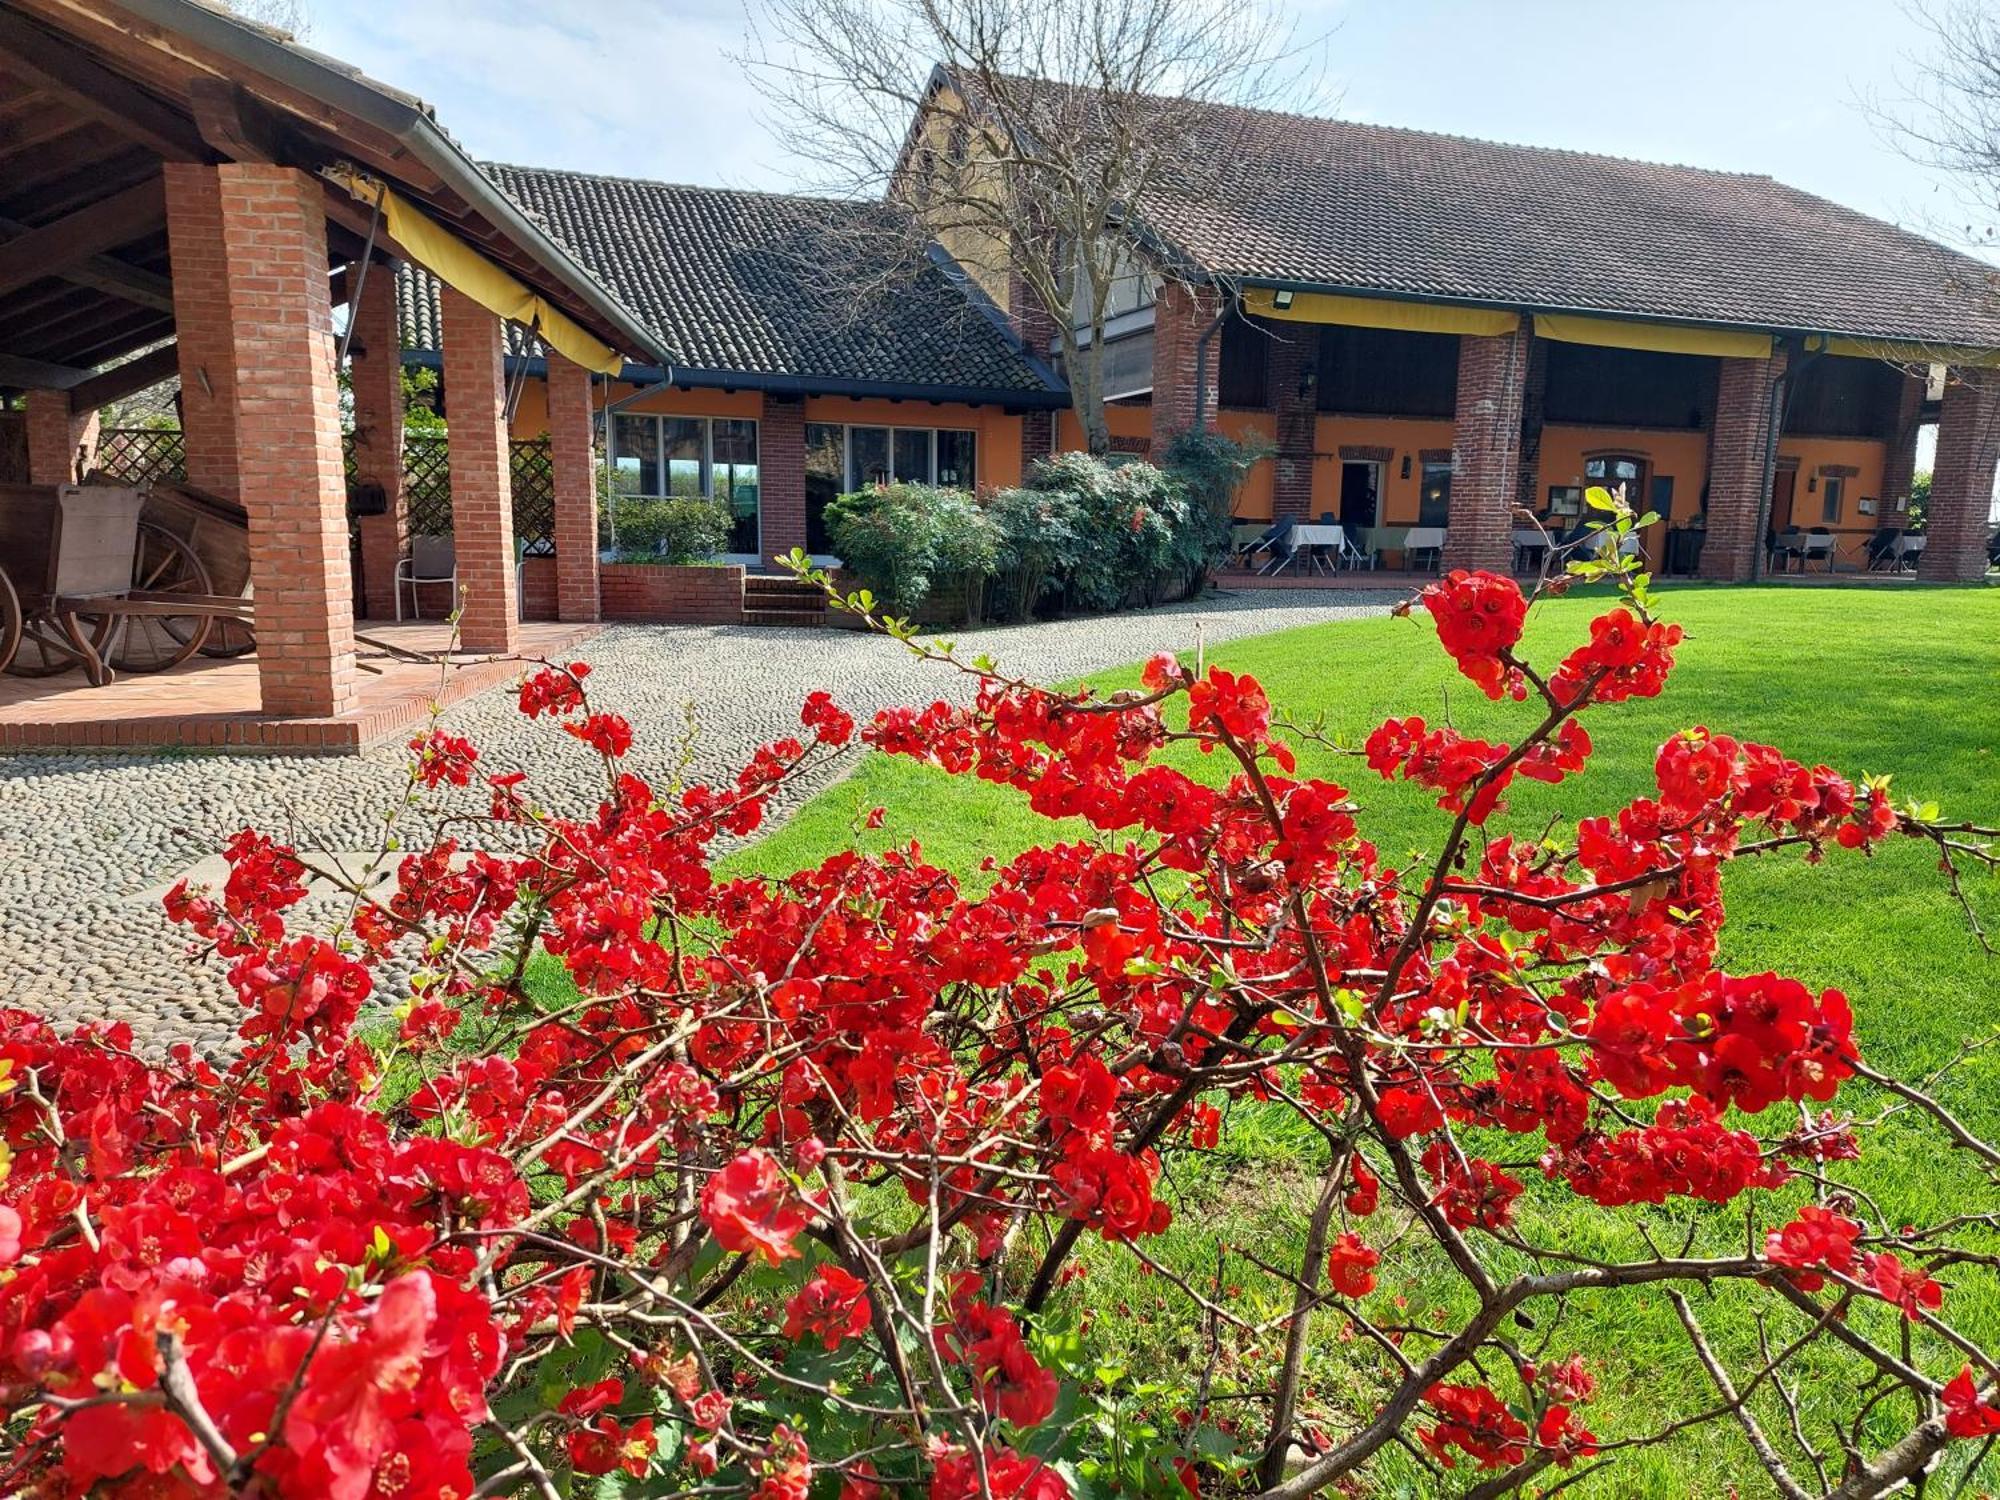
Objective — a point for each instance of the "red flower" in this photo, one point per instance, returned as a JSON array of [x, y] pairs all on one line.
[[1233, 705], [1479, 617], [607, 734], [1907, 1287], [833, 1305], [1817, 1239], [751, 1206], [1009, 1476], [1350, 1266], [1965, 1414]]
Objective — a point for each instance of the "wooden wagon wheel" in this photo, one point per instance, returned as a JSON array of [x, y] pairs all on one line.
[[44, 651], [227, 638], [10, 620], [151, 643]]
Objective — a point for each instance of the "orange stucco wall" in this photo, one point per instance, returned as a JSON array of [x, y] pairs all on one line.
[[1853, 528], [1675, 454], [999, 432]]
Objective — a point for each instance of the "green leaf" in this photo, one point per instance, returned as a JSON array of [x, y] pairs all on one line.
[[1599, 498]]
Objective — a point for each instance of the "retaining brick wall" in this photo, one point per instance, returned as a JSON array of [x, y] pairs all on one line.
[[661, 594]]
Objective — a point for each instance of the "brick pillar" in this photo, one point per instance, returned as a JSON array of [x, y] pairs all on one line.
[[1899, 464], [1292, 355], [1736, 466], [203, 339], [482, 492], [1033, 325], [376, 376], [286, 425], [781, 476], [573, 455], [1968, 449], [1038, 439], [55, 436], [1181, 315], [1486, 450], [1534, 403]]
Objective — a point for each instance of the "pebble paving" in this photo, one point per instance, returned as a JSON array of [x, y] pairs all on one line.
[[87, 842]]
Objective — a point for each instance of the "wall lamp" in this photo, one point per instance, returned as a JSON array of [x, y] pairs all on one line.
[[1406, 466], [1308, 378], [1282, 301]]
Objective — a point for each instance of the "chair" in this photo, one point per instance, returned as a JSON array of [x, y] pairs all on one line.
[[1530, 542], [1425, 540], [1278, 542], [1884, 548], [432, 559], [1911, 550], [1786, 545], [1347, 551], [1818, 544], [1377, 540]]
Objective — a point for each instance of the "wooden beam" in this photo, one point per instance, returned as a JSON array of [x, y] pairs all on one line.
[[105, 273], [238, 127], [50, 63], [51, 249], [119, 381], [39, 374]]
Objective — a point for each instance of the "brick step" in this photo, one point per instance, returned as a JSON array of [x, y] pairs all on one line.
[[780, 588], [783, 616]]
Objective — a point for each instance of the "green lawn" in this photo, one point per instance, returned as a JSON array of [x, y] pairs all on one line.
[[1904, 681]]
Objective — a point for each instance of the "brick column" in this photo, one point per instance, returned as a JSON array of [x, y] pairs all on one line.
[[1486, 450], [1038, 439], [1180, 317], [781, 476], [376, 377], [55, 433], [290, 476], [1293, 353], [1968, 448], [1534, 404], [202, 334], [573, 455], [1899, 464], [482, 493], [1736, 466]]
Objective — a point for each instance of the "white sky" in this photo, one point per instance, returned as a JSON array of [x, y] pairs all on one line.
[[646, 88]]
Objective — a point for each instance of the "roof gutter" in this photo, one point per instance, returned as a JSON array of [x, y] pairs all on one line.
[[413, 128]]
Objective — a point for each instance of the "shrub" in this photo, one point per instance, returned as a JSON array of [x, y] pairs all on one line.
[[796, 1188], [1129, 519], [683, 529], [904, 539], [1213, 467]]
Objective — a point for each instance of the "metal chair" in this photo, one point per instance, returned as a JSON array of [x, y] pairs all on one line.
[[1818, 544], [432, 559], [1884, 548]]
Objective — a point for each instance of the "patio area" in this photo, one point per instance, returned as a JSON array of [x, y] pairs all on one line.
[[213, 705]]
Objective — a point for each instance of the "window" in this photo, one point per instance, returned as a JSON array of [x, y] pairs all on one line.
[[1831, 491], [826, 476], [909, 455], [1626, 476], [686, 457], [1434, 499]]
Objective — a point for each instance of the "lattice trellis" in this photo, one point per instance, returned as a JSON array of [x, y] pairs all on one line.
[[141, 455], [156, 455]]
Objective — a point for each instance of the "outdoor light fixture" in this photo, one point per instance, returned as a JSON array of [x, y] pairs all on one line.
[[1282, 301], [1308, 378], [1406, 466], [1812, 483]]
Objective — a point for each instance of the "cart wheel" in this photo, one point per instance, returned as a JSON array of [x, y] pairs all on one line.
[[10, 620], [227, 638], [151, 643], [44, 650]]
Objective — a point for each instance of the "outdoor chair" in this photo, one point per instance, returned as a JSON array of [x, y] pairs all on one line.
[[1910, 551], [433, 560], [1278, 542], [1818, 544], [1424, 542], [1530, 543], [1784, 547], [1347, 551], [1884, 548]]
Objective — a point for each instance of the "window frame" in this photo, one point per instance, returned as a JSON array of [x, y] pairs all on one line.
[[706, 481], [1832, 498]]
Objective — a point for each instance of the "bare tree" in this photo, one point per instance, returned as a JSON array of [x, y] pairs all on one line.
[[1027, 138]]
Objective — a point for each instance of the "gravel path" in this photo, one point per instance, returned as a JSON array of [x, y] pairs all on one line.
[[88, 841]]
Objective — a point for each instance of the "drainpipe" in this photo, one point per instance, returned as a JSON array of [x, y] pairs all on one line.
[[1229, 295]]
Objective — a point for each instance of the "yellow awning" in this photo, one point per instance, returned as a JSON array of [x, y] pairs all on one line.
[[458, 265], [1904, 352], [1659, 338], [1380, 312]]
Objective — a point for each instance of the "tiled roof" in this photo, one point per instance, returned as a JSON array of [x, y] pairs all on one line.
[[1368, 207], [764, 284]]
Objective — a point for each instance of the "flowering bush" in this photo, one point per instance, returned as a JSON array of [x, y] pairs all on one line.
[[799, 1188]]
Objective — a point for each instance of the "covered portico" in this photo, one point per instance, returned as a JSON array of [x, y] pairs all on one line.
[[184, 192]]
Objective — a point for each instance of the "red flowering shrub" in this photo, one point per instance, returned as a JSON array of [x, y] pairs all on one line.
[[801, 1189]]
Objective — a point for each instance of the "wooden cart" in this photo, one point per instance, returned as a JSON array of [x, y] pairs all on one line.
[[217, 531], [90, 584]]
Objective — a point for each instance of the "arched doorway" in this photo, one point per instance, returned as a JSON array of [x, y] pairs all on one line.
[[1628, 473]]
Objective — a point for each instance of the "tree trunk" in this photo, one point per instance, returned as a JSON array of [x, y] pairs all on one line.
[[1086, 393]]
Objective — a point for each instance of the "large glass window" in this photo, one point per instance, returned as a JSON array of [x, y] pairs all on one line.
[[1434, 499], [693, 456], [957, 458], [867, 456], [913, 455], [826, 477]]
